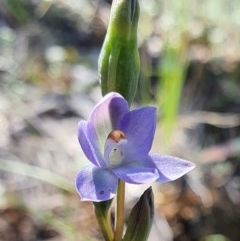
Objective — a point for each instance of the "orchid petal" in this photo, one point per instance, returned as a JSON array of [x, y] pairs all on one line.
[[107, 114], [137, 172], [170, 168], [139, 127], [96, 184], [89, 142]]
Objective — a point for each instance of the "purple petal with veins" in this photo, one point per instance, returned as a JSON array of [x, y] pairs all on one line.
[[170, 168]]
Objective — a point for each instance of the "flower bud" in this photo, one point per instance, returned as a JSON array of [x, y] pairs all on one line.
[[141, 218], [118, 63]]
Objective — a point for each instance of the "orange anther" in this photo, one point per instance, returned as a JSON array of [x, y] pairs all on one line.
[[116, 135]]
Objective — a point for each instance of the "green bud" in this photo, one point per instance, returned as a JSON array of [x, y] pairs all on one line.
[[141, 218], [118, 63]]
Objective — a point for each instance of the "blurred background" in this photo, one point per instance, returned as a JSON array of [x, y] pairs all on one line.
[[190, 70]]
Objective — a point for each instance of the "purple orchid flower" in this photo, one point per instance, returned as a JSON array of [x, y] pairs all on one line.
[[117, 142]]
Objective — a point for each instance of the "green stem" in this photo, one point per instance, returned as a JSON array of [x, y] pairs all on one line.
[[119, 211], [104, 222]]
